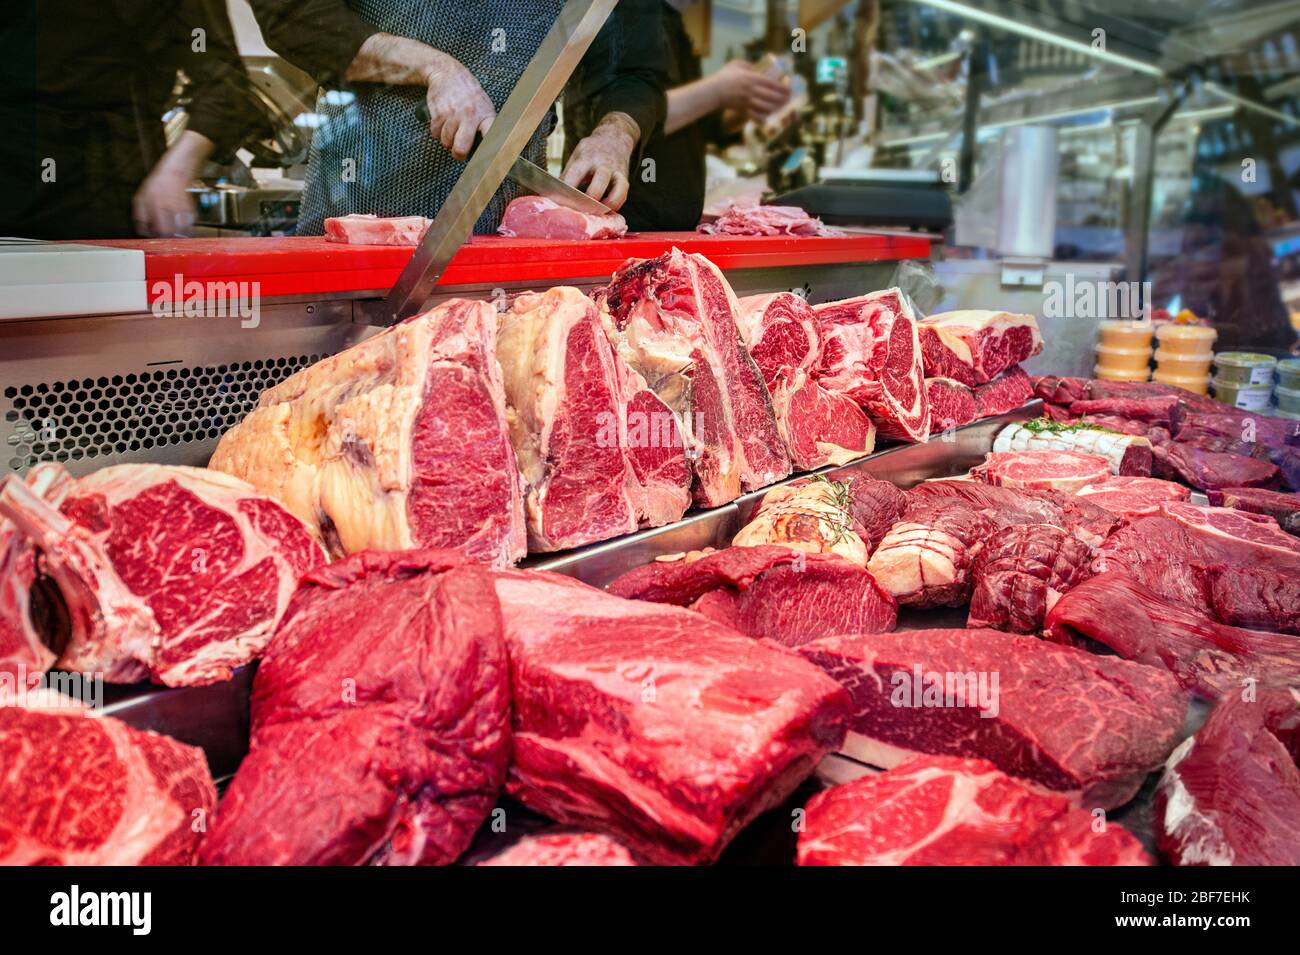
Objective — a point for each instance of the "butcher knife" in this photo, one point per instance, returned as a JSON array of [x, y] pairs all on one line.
[[540, 182]]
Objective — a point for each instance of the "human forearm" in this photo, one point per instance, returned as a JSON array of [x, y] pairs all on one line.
[[691, 102], [395, 61]]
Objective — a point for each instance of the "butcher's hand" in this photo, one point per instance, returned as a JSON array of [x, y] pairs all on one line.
[[745, 89], [599, 163], [162, 206], [459, 110]]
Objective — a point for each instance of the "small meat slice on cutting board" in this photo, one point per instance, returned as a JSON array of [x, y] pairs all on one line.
[[396, 443], [1063, 719], [568, 416], [1230, 795], [1065, 471], [619, 704], [1021, 572], [768, 592], [974, 346], [367, 229], [1127, 454], [536, 217], [673, 319], [1283, 508], [1211, 658], [380, 720], [870, 352], [813, 515], [942, 810], [563, 848], [174, 574], [1133, 496], [83, 791]]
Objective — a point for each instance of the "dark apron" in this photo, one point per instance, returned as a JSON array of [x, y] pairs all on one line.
[[373, 154]]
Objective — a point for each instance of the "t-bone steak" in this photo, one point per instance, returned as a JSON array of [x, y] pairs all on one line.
[[380, 719], [870, 353], [820, 427], [942, 810], [673, 319], [1230, 795], [1133, 496], [79, 790], [536, 217], [398, 442], [592, 468], [1061, 718], [1210, 658], [1065, 471], [1020, 573], [974, 346], [175, 574], [650, 724]]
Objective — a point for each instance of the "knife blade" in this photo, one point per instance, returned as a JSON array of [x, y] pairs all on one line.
[[540, 182]]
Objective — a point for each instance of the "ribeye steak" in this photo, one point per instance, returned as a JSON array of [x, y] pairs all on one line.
[[1065, 471]]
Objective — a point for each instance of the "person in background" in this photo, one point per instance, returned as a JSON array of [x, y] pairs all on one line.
[[379, 59], [83, 87], [667, 188]]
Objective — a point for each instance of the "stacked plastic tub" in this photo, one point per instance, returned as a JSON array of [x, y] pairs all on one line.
[[1123, 350], [1184, 356], [1244, 380], [1288, 388]]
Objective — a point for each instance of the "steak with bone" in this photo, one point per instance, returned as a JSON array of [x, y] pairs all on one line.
[[395, 443], [650, 724], [174, 574], [870, 352], [974, 346], [78, 790], [942, 810], [673, 319], [1061, 718], [380, 719], [819, 426], [599, 453]]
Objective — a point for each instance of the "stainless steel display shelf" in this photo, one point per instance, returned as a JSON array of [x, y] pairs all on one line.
[[216, 717]]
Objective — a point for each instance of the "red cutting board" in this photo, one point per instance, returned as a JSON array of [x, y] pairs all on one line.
[[309, 265]]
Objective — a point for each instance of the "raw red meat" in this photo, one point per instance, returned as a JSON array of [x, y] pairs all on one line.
[[813, 515], [952, 404], [1060, 391], [570, 397], [398, 442], [535, 217], [1021, 572], [1126, 454], [974, 346], [1004, 506], [1233, 527], [925, 559], [1042, 470], [870, 352], [1133, 496], [564, 848], [1230, 795], [875, 505], [1283, 508], [1210, 470], [1163, 411], [1007, 392], [1061, 718], [380, 728], [367, 229], [941, 810], [748, 218], [76, 790], [673, 320], [774, 592], [819, 426], [619, 704], [174, 574], [1211, 658]]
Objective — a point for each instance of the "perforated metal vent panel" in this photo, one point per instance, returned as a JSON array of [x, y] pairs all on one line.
[[87, 418]]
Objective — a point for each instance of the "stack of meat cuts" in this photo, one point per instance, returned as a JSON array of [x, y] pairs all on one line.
[[397, 442], [749, 218], [599, 453], [173, 574], [953, 404], [674, 321], [971, 361], [871, 353], [819, 426]]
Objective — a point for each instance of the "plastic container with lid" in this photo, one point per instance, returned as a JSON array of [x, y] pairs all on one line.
[[1116, 356], [1288, 373], [1179, 363], [1199, 384], [1288, 399], [1241, 395], [1186, 339], [1121, 374], [1245, 368], [1114, 333]]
